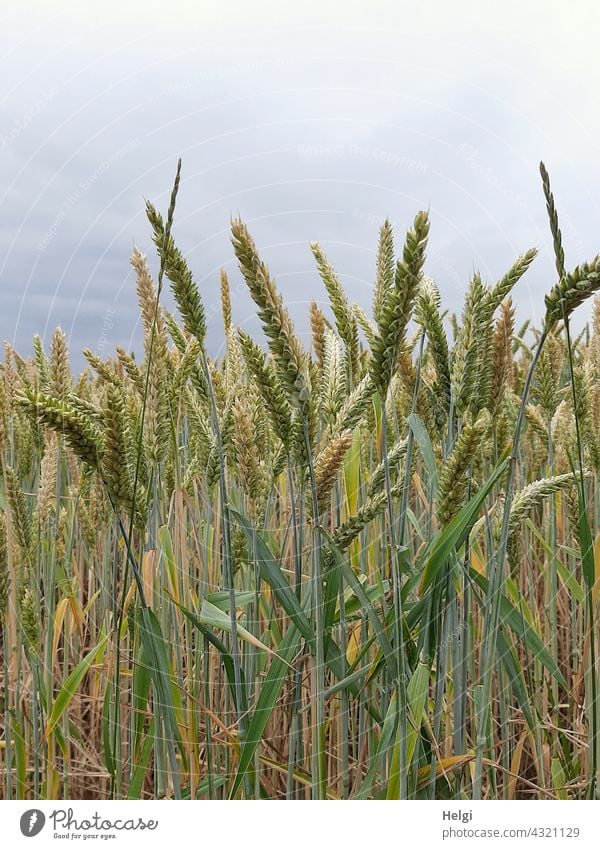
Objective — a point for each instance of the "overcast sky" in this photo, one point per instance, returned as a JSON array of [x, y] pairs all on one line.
[[312, 123]]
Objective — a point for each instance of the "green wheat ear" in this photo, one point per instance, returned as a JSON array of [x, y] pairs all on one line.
[[60, 373], [131, 368], [177, 271], [246, 450], [80, 432], [453, 479], [559, 254], [267, 382], [572, 290], [373, 506], [427, 313], [344, 318], [467, 362], [117, 458], [104, 371], [287, 350], [534, 493], [397, 307], [504, 286], [41, 363], [4, 572], [502, 359], [30, 623], [18, 508], [547, 378], [384, 277]]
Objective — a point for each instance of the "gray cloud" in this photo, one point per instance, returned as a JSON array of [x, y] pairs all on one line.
[[307, 127]]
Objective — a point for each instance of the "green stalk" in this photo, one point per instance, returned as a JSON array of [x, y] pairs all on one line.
[[345, 701], [295, 725], [208, 723], [400, 684], [319, 777], [6, 700], [128, 537], [228, 577], [496, 584], [593, 730], [552, 573]]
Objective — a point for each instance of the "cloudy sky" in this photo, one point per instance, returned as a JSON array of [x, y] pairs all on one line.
[[313, 121]]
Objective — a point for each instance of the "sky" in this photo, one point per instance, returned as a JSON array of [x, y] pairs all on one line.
[[311, 121]]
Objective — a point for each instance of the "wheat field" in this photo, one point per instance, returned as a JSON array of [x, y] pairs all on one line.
[[367, 570]]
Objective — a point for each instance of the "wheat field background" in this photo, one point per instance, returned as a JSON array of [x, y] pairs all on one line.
[[365, 570]]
